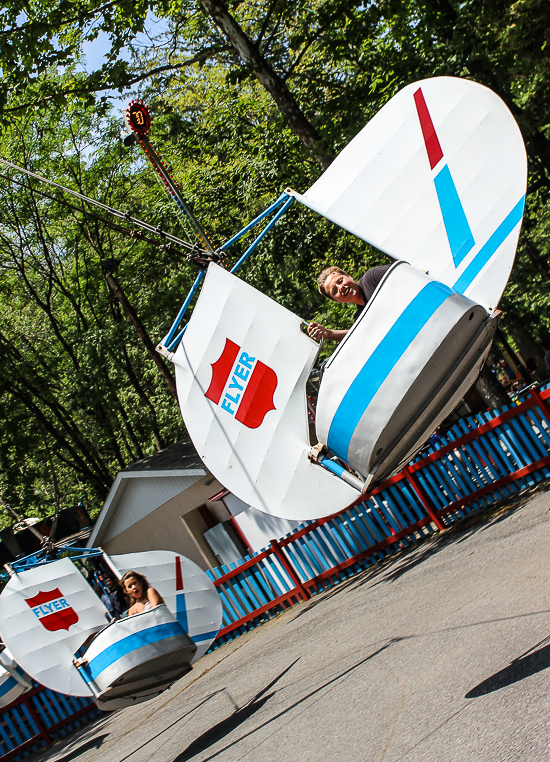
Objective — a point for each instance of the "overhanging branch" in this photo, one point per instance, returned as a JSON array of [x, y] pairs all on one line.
[[204, 55]]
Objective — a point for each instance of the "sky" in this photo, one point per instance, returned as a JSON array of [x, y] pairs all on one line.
[[94, 57], [95, 52]]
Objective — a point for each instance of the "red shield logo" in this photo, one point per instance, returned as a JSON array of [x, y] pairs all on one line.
[[244, 384], [52, 610]]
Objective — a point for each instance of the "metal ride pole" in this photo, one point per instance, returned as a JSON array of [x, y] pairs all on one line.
[[138, 120], [138, 125], [264, 232], [21, 520], [169, 343], [255, 221]]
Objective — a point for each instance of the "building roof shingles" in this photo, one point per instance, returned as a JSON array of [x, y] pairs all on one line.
[[181, 455]]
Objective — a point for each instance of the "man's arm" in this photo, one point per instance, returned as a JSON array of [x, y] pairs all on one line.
[[318, 332]]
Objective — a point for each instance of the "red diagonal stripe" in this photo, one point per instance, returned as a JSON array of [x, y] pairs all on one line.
[[179, 575], [435, 154]]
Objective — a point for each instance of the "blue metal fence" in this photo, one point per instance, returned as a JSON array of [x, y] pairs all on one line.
[[481, 461], [38, 718]]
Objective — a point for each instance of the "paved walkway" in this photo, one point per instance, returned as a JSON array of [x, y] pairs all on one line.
[[441, 654]]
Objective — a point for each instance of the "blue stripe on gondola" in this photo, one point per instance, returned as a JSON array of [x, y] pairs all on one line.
[[131, 643], [380, 364], [181, 611], [487, 251], [458, 230], [8, 685], [202, 636]]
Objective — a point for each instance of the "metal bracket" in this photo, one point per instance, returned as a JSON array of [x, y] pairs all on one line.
[[317, 451]]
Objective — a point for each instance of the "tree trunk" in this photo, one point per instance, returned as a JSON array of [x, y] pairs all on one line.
[[272, 82], [490, 388], [538, 260], [82, 459], [142, 333], [528, 346], [503, 339]]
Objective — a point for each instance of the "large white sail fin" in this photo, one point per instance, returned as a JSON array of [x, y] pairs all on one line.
[[241, 372], [46, 614], [438, 179]]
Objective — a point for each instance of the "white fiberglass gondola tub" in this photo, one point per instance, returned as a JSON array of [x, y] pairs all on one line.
[[137, 657], [13, 680], [413, 353]]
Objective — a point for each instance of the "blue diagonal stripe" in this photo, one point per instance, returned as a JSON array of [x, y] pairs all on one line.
[[131, 643], [380, 364], [487, 251], [181, 611], [202, 636], [8, 685], [458, 230]]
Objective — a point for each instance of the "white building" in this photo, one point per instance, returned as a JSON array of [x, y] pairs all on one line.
[[169, 501]]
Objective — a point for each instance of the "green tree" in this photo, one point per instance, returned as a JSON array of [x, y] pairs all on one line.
[[74, 379]]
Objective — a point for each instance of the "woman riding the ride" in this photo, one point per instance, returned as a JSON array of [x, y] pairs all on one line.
[[143, 596]]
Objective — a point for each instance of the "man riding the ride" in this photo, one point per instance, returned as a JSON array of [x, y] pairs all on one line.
[[337, 285]]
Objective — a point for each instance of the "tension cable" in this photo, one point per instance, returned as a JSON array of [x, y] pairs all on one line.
[[200, 256]]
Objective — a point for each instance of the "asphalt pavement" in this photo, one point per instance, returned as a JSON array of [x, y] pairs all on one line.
[[439, 654]]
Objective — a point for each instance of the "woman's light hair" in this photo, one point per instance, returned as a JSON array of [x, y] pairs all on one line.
[[321, 280]]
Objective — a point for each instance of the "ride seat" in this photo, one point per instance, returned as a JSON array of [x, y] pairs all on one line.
[[412, 354], [137, 657]]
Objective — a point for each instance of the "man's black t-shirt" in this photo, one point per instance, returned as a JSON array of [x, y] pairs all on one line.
[[368, 284]]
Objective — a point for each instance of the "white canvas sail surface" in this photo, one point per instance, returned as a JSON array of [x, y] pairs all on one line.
[[438, 179], [241, 372], [46, 614]]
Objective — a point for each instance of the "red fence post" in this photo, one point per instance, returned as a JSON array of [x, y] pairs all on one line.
[[36, 719], [283, 558], [422, 497], [541, 403]]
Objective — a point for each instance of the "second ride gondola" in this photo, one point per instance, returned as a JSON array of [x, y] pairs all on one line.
[[61, 633]]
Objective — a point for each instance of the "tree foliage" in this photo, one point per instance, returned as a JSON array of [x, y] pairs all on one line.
[[75, 383], [248, 98]]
